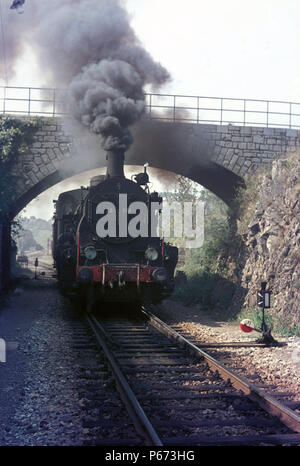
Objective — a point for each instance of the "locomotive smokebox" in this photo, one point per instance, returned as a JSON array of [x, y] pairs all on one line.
[[115, 164]]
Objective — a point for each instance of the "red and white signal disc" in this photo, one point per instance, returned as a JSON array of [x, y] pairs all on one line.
[[247, 325]]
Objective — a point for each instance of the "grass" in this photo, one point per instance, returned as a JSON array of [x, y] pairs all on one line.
[[286, 330], [279, 324], [255, 314]]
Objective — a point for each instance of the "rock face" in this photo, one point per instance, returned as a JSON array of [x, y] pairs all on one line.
[[273, 242]]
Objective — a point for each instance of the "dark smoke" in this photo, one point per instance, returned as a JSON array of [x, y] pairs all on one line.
[[107, 97], [88, 47]]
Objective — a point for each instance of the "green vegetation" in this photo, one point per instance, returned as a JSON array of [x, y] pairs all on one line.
[[36, 233], [279, 324], [286, 330], [255, 314], [15, 137], [205, 267], [214, 271]]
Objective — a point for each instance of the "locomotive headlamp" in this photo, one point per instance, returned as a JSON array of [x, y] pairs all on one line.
[[159, 275], [90, 252], [151, 254]]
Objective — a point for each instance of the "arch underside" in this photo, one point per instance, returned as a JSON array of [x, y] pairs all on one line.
[[217, 179], [164, 146]]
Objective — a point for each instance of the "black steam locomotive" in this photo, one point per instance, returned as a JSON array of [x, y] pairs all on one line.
[[105, 241]]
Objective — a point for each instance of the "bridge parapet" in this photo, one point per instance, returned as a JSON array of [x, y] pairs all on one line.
[[34, 101]]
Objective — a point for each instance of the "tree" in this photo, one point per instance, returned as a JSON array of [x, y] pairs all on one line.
[[15, 137]]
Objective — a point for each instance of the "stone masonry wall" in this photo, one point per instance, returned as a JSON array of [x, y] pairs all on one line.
[[239, 149], [51, 145], [242, 149]]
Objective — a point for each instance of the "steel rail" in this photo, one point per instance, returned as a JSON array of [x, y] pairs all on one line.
[[133, 406], [267, 402]]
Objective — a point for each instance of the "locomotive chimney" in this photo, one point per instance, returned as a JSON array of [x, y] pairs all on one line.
[[115, 163]]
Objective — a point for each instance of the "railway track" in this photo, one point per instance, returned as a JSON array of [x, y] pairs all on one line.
[[178, 395]]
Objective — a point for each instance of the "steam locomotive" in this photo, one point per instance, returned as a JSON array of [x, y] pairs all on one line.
[[106, 245]]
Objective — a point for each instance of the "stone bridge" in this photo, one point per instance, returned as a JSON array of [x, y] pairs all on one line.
[[216, 156]]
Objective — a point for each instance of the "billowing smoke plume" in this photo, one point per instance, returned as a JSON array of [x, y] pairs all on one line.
[[107, 97], [88, 47]]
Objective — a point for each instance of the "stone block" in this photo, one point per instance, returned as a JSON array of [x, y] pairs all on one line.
[[50, 167], [49, 138], [49, 144], [51, 154], [40, 133], [50, 128], [35, 151], [230, 154], [269, 131], [292, 133], [222, 129], [45, 158], [246, 130], [258, 139], [58, 153], [38, 160], [27, 157], [33, 177], [233, 160], [44, 170]]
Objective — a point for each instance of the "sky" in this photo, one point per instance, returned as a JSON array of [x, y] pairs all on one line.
[[233, 48]]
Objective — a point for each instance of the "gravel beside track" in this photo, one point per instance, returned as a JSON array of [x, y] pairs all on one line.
[[187, 403], [55, 388], [276, 369]]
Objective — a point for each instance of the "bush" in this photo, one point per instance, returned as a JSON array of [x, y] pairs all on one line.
[[197, 290], [205, 267]]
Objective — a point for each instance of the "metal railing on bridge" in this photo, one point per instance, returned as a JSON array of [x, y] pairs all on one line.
[[33, 101]]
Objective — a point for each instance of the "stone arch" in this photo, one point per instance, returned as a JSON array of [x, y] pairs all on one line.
[[218, 180], [54, 156], [216, 156]]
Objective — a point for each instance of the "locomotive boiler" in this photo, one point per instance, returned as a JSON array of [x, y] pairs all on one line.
[[106, 245]]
